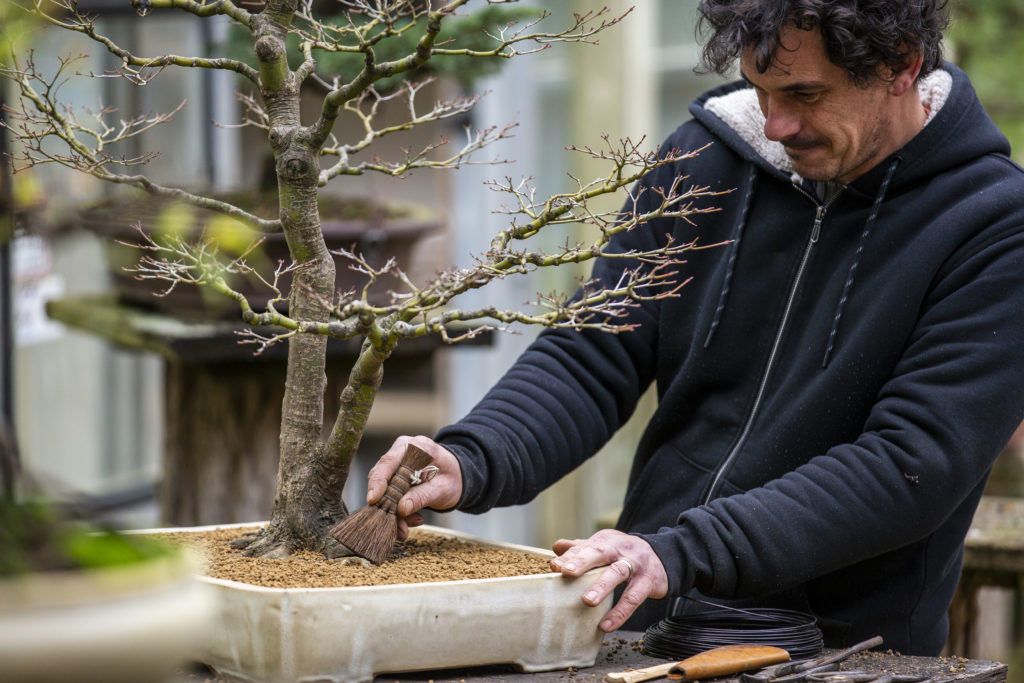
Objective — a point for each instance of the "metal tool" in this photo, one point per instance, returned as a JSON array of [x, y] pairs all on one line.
[[841, 677], [792, 672], [862, 677]]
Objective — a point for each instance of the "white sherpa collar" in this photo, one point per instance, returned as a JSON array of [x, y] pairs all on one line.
[[740, 111]]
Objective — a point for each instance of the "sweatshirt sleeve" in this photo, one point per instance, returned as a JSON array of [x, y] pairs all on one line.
[[953, 401], [565, 396]]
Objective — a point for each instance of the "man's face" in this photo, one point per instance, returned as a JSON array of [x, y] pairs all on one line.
[[830, 128]]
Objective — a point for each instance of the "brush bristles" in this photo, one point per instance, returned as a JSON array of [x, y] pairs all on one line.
[[368, 532], [371, 531]]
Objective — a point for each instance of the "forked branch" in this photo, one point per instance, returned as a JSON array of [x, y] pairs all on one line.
[[67, 14], [508, 40], [366, 109]]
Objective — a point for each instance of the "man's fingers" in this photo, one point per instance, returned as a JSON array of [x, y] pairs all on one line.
[[635, 593], [616, 573], [380, 474], [628, 560], [563, 544], [416, 498], [404, 524], [578, 556], [440, 491]]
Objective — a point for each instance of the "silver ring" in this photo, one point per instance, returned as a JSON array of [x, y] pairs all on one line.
[[628, 564]]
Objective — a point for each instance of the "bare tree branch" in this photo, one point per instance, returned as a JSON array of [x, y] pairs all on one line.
[[366, 109], [308, 63], [597, 307], [629, 164], [372, 71], [383, 21], [41, 120], [139, 70], [200, 9], [254, 116], [174, 261], [584, 29]]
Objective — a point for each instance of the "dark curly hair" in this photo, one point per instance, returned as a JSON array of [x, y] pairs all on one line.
[[866, 38]]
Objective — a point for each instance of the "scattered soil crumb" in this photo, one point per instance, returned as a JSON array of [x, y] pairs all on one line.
[[955, 663], [424, 557]]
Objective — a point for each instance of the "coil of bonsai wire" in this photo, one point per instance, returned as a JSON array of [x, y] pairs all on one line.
[[679, 637]]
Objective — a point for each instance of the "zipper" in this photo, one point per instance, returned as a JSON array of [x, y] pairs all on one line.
[[819, 217]]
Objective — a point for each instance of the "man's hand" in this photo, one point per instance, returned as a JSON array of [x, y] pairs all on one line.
[[619, 552], [441, 492]]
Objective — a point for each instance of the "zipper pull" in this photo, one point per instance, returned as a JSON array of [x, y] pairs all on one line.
[[819, 216]]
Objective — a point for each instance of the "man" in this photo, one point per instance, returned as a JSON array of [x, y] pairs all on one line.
[[834, 384]]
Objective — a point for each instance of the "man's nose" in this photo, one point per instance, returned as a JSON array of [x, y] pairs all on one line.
[[781, 122]]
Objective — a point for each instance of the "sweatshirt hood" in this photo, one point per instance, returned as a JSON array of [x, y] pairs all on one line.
[[958, 129]]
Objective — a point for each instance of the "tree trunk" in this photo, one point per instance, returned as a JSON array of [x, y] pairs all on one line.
[[311, 474], [302, 510]]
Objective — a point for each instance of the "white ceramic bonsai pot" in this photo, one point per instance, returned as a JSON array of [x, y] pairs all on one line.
[[535, 623], [125, 624]]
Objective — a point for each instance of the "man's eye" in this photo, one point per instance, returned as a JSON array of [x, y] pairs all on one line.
[[807, 96]]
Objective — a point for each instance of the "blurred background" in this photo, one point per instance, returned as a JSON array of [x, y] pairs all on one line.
[[149, 419]]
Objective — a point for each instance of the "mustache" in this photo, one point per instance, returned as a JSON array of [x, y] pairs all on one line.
[[797, 144]]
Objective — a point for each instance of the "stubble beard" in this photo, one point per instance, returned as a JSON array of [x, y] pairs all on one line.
[[833, 169]]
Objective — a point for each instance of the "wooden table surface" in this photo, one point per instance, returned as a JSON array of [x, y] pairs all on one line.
[[622, 650]]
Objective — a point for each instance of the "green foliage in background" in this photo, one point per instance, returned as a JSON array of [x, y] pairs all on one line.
[[985, 40], [15, 24], [34, 537]]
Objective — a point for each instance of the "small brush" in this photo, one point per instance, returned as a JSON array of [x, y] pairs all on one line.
[[371, 531]]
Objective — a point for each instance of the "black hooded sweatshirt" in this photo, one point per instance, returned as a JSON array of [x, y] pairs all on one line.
[[833, 385]]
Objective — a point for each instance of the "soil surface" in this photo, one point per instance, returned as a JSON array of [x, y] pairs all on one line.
[[423, 557]]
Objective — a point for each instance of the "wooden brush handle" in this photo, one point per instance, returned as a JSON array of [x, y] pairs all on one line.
[[400, 482]]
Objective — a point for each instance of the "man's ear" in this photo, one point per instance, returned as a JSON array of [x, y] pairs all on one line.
[[903, 79]]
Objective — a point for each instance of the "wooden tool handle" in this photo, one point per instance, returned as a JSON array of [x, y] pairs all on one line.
[[725, 660], [401, 481], [637, 675], [719, 661]]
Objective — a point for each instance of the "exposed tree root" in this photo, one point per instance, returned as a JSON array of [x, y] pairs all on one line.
[[280, 540]]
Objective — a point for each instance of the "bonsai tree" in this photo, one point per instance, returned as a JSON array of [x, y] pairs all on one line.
[[309, 155]]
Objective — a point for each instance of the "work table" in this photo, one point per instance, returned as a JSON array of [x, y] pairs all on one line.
[[622, 650]]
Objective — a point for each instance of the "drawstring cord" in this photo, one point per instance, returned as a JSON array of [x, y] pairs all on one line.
[[851, 275], [730, 266], [875, 208]]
